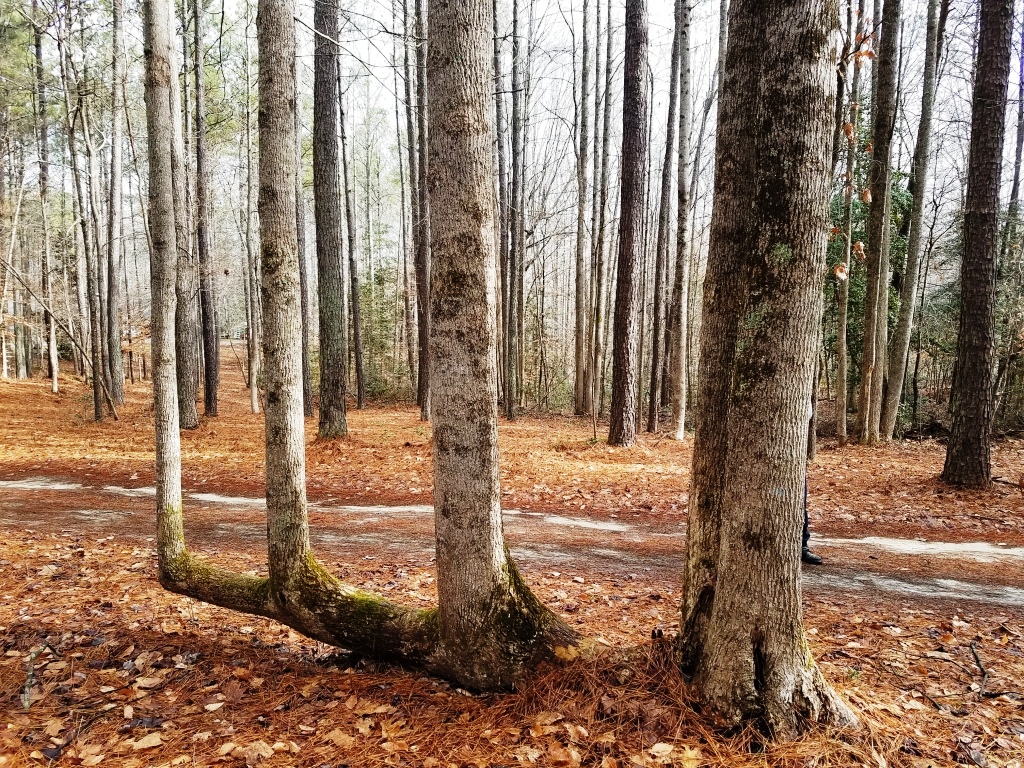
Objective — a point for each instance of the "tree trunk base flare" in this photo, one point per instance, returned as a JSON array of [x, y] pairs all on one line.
[[520, 631], [515, 632], [757, 676]]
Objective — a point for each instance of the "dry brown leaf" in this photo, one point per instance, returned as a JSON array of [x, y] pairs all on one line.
[[148, 741], [340, 738], [253, 753]]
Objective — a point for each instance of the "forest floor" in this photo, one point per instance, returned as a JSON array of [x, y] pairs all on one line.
[[917, 615]]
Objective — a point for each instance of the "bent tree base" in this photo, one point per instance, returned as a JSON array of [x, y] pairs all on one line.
[[312, 601]]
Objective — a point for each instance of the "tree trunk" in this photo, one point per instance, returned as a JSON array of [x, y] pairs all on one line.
[[53, 362], [353, 272], [622, 430], [300, 231], [504, 235], [852, 132], [329, 245], [489, 628], [1011, 322], [658, 343], [968, 453], [115, 249], [597, 343], [490, 624], [921, 182], [186, 325], [422, 261], [515, 259], [160, 74], [414, 202], [595, 197], [207, 283], [581, 290], [741, 630], [95, 312], [876, 301], [679, 315], [255, 326], [98, 265]]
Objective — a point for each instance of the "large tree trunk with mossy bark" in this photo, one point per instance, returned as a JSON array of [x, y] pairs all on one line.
[[326, 194], [742, 635], [968, 453], [489, 629], [490, 625]]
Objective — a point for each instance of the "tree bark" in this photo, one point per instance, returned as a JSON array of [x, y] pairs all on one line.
[[581, 290], [921, 183], [353, 271], [504, 235], [876, 301], [414, 200], [515, 259], [852, 133], [255, 326], [95, 312], [679, 316], [622, 430], [595, 197], [658, 344], [300, 230], [186, 322], [422, 232], [53, 362], [968, 453], [207, 284], [160, 73], [115, 249], [741, 630], [491, 626], [597, 343], [1011, 321], [329, 244]]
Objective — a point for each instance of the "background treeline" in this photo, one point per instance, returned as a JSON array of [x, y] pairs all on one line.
[[75, 244]]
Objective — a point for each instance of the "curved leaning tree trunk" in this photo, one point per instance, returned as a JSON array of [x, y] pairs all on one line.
[[742, 629], [489, 627]]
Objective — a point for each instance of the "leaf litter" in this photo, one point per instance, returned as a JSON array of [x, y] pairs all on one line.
[[123, 673]]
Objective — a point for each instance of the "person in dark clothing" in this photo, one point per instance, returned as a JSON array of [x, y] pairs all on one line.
[[806, 555]]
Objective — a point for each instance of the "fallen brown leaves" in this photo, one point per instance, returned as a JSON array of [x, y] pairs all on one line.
[[127, 674], [116, 671]]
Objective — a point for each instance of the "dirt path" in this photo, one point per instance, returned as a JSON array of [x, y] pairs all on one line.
[[915, 568]]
